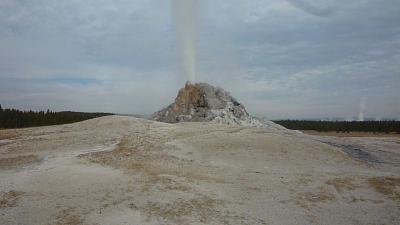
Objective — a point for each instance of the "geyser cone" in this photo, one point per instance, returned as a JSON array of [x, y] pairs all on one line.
[[202, 102]]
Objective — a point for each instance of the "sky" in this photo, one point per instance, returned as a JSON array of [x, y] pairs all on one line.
[[297, 59]]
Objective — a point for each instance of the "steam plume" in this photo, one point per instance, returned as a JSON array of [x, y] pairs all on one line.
[[184, 12], [363, 105]]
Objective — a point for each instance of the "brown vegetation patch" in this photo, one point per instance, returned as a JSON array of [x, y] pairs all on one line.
[[341, 184], [180, 211], [18, 161], [353, 199], [200, 210], [311, 198], [65, 217], [321, 195], [8, 134], [303, 180], [388, 186], [9, 199]]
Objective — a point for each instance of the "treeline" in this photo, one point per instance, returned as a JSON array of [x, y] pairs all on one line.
[[390, 126], [14, 118]]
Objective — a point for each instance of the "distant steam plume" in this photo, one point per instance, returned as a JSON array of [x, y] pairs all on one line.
[[363, 106], [185, 14]]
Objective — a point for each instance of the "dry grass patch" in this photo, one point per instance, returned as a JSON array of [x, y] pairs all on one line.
[[388, 186], [18, 161], [321, 195], [341, 184], [312, 198], [64, 217], [8, 134], [10, 198], [181, 211]]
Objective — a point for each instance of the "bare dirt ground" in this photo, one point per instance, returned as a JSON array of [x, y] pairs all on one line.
[[123, 170]]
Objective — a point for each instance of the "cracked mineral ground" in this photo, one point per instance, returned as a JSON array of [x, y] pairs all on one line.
[[125, 170]]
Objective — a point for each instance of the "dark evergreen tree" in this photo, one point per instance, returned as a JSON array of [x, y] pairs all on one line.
[[13, 118], [387, 126]]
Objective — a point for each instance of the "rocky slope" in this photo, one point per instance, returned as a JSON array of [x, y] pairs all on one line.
[[202, 102]]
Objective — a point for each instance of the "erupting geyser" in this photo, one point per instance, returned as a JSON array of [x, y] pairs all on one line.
[[184, 13], [201, 102]]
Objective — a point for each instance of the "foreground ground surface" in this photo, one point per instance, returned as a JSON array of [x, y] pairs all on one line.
[[123, 170]]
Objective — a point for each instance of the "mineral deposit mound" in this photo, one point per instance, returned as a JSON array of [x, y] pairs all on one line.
[[202, 102]]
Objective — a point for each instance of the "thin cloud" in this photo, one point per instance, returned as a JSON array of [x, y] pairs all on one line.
[[311, 9]]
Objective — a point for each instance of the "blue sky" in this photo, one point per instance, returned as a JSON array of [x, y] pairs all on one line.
[[281, 59]]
